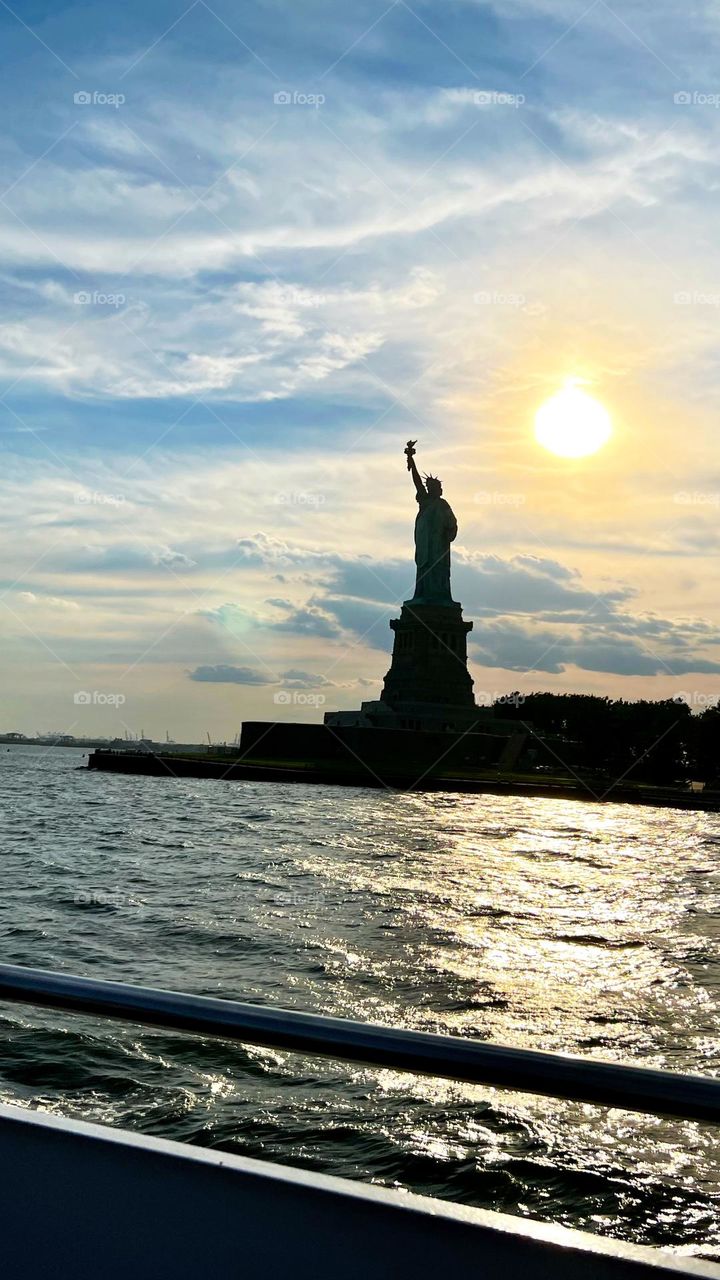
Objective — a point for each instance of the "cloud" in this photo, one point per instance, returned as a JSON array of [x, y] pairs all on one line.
[[293, 678], [361, 618], [296, 679], [172, 559], [531, 613], [513, 600], [50, 602], [516, 647], [117, 554], [161, 253], [223, 674], [309, 621]]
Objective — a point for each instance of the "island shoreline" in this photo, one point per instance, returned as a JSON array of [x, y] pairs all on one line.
[[151, 764]]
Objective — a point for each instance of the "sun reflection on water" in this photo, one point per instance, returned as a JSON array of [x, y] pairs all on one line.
[[553, 926]]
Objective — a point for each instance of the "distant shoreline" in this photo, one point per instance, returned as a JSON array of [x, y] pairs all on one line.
[[159, 765]]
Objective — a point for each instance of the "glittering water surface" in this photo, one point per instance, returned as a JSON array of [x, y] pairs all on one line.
[[549, 924]]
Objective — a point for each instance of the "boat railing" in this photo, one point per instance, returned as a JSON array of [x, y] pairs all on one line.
[[608, 1084]]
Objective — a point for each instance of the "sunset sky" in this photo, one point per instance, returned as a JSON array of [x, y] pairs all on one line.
[[247, 251]]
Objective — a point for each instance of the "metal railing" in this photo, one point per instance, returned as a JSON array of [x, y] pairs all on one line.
[[555, 1075]]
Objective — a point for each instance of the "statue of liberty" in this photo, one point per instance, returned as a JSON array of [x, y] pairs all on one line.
[[435, 528]]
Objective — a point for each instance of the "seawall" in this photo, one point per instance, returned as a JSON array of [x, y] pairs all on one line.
[[236, 769]]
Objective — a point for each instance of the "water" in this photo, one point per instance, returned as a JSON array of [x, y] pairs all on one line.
[[541, 923]]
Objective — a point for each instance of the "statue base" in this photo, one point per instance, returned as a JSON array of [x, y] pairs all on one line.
[[428, 686], [429, 660]]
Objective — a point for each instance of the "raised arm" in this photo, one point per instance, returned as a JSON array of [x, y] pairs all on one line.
[[410, 455], [419, 486]]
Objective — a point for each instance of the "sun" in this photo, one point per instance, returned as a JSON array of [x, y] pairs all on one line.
[[572, 424]]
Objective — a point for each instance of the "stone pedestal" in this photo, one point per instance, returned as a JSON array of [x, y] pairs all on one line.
[[429, 660]]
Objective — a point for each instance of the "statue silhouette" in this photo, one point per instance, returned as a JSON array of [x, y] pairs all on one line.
[[435, 528]]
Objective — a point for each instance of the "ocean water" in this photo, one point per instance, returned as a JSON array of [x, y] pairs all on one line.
[[549, 924]]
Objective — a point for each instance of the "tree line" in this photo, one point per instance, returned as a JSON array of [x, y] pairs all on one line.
[[659, 742]]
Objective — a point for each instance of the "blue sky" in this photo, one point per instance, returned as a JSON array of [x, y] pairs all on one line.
[[247, 251]]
